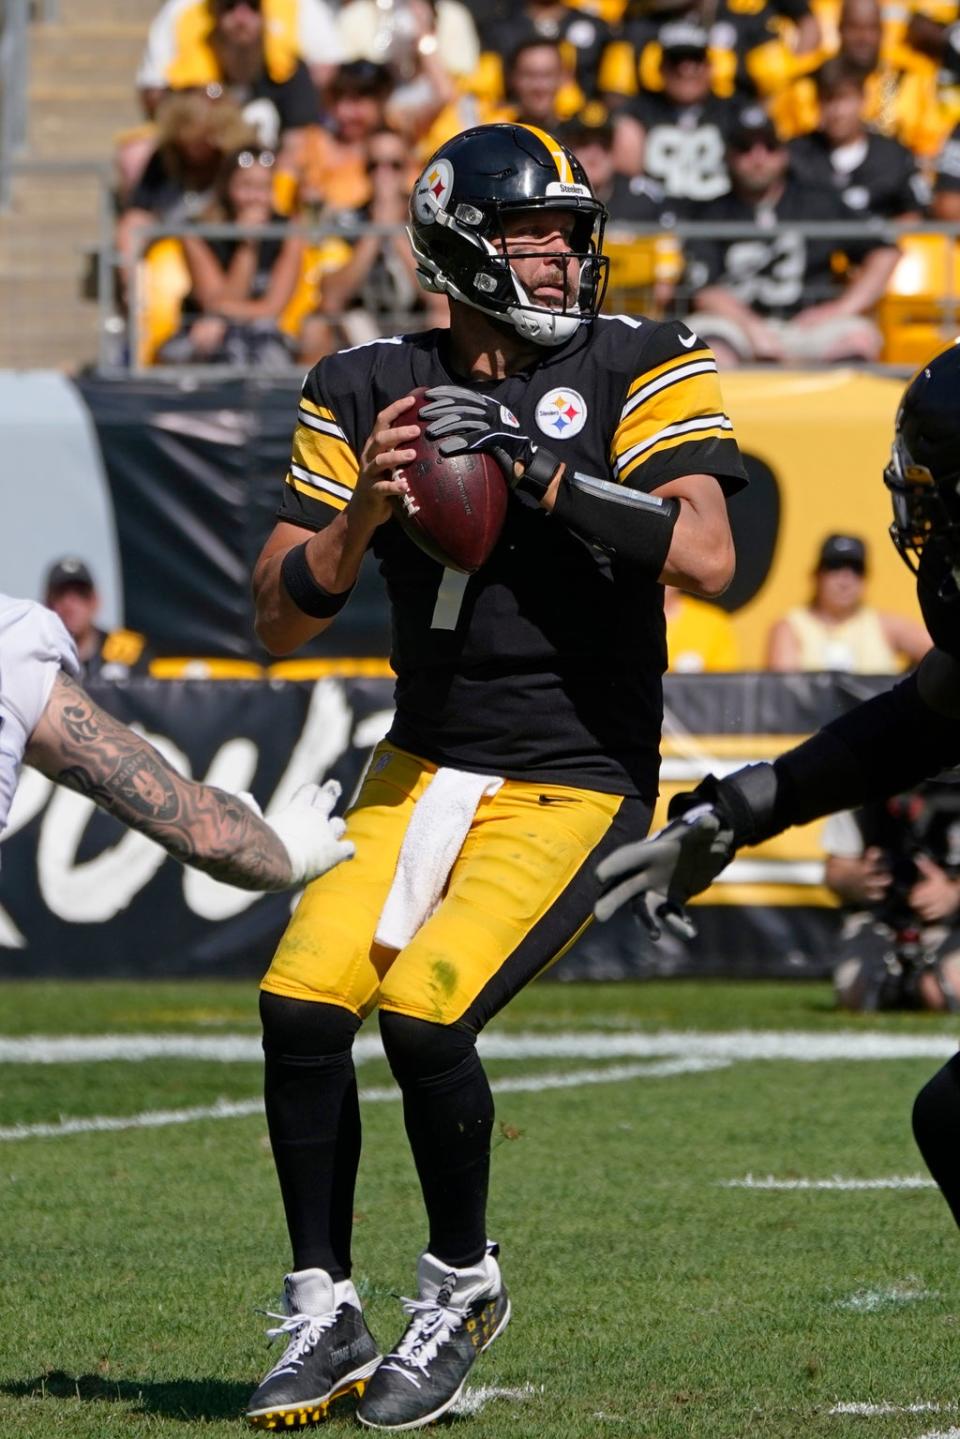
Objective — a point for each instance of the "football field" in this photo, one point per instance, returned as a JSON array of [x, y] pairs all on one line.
[[713, 1220]]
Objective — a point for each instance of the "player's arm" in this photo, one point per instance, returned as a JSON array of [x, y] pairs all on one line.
[[77, 744], [882, 747], [305, 573]]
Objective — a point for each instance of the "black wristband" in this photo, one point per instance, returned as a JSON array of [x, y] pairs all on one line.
[[636, 527], [539, 471], [308, 596]]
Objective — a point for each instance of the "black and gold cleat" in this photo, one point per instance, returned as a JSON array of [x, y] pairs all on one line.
[[330, 1356], [458, 1315]]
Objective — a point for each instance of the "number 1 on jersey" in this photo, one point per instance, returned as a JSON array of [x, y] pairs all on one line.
[[446, 611]]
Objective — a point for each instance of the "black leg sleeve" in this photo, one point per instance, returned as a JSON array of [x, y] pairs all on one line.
[[936, 1128], [448, 1112], [313, 1115]]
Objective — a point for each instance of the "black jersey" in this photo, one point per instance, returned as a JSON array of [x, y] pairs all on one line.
[[684, 148], [873, 176], [781, 272], [546, 664], [582, 40], [947, 179]]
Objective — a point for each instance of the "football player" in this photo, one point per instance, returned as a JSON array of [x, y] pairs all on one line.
[[49, 721], [878, 749], [525, 744]]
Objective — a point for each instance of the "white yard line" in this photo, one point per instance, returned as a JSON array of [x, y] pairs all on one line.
[[799, 1045], [238, 1109], [870, 1301], [895, 1181], [476, 1397], [875, 1411]]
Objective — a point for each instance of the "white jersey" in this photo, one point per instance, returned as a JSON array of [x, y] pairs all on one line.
[[34, 647]]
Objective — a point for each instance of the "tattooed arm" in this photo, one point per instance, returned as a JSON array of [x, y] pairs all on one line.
[[80, 746]]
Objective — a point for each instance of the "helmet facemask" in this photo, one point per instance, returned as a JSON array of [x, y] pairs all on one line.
[[920, 510]]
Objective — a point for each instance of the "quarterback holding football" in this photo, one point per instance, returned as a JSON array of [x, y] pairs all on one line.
[[528, 643]]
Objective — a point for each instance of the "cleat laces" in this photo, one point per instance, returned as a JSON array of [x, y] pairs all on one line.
[[432, 1323], [305, 1330]]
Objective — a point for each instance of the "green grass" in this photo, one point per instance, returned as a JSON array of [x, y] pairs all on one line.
[[648, 1299]]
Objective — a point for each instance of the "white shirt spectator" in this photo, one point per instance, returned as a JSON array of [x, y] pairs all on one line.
[[363, 25]]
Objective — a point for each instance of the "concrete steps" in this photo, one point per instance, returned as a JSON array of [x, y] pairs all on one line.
[[81, 94]]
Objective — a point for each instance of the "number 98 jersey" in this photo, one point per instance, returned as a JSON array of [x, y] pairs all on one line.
[[546, 664]]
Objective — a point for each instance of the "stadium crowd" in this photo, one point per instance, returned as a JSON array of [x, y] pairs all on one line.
[[756, 112]]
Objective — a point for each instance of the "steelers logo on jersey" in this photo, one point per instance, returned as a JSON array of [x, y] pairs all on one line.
[[562, 413]]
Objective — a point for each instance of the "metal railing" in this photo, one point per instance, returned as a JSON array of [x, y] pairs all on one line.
[[15, 20], [647, 259]]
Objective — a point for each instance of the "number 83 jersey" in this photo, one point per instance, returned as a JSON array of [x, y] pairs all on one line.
[[546, 664]]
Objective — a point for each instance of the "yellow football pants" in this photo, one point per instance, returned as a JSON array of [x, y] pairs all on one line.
[[519, 893]]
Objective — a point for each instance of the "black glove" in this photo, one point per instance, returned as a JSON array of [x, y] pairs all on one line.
[[462, 422], [658, 875], [707, 827]]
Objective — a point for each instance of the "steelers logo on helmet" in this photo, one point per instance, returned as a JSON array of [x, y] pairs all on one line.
[[561, 414], [464, 214], [433, 192]]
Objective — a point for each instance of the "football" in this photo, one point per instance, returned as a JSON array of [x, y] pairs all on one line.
[[455, 506]]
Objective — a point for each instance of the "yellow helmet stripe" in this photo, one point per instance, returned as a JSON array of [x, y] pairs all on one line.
[[564, 172]]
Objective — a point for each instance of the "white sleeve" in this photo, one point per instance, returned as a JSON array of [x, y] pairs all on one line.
[[841, 837], [34, 647], [319, 37], [160, 48]]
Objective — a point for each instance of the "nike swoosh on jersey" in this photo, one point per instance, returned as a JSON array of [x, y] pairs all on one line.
[[689, 344]]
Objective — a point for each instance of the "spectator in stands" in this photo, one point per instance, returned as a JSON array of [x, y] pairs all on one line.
[[396, 32], [837, 629], [682, 126], [946, 185], [582, 36], [700, 636], [181, 53], [895, 865], [900, 87], [535, 75], [194, 136], [240, 287], [775, 296], [376, 291], [70, 591], [333, 170], [755, 48], [643, 268], [873, 174]]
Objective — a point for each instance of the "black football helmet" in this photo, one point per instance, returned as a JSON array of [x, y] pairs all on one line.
[[923, 474], [456, 225]]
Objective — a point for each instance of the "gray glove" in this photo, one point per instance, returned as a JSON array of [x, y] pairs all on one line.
[[658, 875]]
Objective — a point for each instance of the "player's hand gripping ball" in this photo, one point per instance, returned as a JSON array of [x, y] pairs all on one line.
[[456, 504]]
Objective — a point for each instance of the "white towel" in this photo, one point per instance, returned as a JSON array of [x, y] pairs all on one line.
[[434, 837]]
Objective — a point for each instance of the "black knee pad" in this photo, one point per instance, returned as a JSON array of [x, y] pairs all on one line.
[[302, 1028], [418, 1049]]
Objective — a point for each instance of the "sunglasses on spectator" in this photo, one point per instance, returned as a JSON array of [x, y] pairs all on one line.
[[223, 7], [743, 147], [246, 159], [380, 163]]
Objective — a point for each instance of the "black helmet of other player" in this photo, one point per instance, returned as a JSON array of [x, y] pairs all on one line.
[[457, 212], [923, 475]]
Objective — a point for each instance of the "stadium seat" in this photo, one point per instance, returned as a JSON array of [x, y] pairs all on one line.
[[340, 668], [202, 667], [639, 267], [919, 312]]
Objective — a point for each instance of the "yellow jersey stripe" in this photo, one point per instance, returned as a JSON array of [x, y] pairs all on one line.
[[670, 442], [699, 352], [690, 398], [318, 410], [564, 172], [324, 454], [314, 492]]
